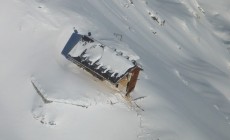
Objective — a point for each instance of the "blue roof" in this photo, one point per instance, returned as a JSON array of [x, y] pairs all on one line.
[[74, 39]]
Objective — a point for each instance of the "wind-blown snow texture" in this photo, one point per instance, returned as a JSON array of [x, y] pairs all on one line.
[[183, 92]]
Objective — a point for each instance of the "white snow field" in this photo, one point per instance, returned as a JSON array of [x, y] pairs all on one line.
[[182, 94]]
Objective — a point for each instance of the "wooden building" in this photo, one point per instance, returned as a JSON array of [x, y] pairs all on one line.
[[103, 62]]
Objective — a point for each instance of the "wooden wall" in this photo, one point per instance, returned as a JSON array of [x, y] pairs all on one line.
[[132, 83]]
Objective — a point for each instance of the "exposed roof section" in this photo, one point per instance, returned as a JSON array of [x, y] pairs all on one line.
[[74, 39], [102, 60]]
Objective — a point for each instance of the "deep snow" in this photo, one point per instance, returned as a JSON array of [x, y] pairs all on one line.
[[183, 91]]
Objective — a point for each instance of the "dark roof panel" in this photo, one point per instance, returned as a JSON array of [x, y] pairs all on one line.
[[74, 39]]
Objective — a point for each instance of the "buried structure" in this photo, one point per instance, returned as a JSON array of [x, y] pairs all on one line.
[[102, 62]]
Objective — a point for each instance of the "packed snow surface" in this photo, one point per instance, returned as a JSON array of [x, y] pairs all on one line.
[[182, 94]]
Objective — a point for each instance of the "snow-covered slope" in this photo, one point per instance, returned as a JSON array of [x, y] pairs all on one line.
[[183, 92]]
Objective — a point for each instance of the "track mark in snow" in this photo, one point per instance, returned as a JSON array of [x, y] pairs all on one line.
[[193, 7], [201, 9], [131, 29], [40, 115], [118, 36], [198, 6], [216, 107], [154, 16], [226, 117], [178, 46], [179, 75], [127, 3], [153, 31], [144, 133]]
